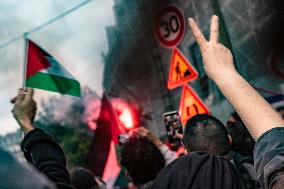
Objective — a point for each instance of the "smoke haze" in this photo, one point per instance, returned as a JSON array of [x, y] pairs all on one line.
[[76, 41]]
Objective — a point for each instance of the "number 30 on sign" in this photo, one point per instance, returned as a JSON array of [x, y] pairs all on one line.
[[170, 26]]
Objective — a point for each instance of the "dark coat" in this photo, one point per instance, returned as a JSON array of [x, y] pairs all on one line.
[[47, 156], [198, 170], [269, 159]]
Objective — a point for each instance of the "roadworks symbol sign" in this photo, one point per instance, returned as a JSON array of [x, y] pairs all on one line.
[[181, 72], [190, 104]]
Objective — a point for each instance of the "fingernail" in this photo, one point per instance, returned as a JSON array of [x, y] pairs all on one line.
[[215, 16]]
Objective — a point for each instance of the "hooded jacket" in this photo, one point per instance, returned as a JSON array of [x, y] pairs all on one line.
[[198, 170], [47, 156]]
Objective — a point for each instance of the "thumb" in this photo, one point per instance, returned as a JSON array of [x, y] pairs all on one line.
[[29, 93]]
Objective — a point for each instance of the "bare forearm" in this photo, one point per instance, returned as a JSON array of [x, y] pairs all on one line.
[[255, 112]]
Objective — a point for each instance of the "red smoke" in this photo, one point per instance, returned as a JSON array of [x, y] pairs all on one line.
[[126, 114]]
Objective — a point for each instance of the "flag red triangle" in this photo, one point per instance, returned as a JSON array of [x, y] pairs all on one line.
[[190, 104], [36, 59], [181, 72]]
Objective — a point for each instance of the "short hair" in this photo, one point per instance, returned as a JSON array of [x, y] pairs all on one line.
[[206, 133], [82, 178], [142, 159], [242, 142]]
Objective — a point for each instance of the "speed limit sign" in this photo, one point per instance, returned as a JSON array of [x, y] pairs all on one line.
[[170, 26]]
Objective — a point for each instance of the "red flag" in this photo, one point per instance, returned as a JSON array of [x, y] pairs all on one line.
[[108, 114], [106, 132]]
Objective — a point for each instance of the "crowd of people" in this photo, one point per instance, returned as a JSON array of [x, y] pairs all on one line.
[[246, 153]]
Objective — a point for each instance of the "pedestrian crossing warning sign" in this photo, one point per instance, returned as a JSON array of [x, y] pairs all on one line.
[[181, 71], [190, 104]]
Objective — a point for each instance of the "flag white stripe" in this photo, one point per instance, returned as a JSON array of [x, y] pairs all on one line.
[[56, 69]]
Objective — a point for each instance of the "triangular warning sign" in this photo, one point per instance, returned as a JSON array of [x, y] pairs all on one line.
[[181, 72], [190, 104]]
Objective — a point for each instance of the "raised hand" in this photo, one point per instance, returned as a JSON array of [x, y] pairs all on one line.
[[143, 132], [217, 59], [256, 113], [24, 109]]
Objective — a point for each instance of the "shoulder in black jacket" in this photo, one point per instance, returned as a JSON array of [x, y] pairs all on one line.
[[47, 156]]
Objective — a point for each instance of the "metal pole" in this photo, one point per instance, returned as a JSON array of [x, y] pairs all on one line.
[[25, 35]]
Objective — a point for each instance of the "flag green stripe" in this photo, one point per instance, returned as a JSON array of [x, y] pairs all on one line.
[[54, 83]]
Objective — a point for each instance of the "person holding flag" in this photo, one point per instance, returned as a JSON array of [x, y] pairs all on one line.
[[42, 71], [38, 147]]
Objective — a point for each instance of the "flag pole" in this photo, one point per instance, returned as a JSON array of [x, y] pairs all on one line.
[[25, 35]]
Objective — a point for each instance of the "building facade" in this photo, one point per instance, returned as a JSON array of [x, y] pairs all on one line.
[[137, 65]]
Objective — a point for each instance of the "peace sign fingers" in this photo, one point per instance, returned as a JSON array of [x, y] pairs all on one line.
[[199, 37], [214, 29]]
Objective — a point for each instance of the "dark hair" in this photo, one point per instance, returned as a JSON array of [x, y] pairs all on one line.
[[142, 159], [82, 178], [206, 133], [242, 141]]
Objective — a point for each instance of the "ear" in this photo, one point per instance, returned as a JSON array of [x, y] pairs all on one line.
[[230, 139], [185, 150]]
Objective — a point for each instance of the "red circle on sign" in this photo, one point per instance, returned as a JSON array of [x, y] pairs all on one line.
[[176, 14]]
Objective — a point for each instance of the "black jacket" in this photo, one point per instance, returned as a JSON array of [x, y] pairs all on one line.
[[198, 170], [269, 159], [47, 156], [245, 166]]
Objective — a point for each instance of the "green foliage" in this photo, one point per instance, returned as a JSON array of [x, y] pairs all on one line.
[[63, 118], [74, 143]]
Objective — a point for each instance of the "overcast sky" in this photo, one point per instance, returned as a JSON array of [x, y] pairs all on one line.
[[76, 41]]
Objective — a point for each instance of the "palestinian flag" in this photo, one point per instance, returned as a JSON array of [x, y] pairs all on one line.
[[44, 72]]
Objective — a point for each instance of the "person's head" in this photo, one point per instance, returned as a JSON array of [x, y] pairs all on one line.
[[142, 159], [206, 133], [242, 141], [82, 178]]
